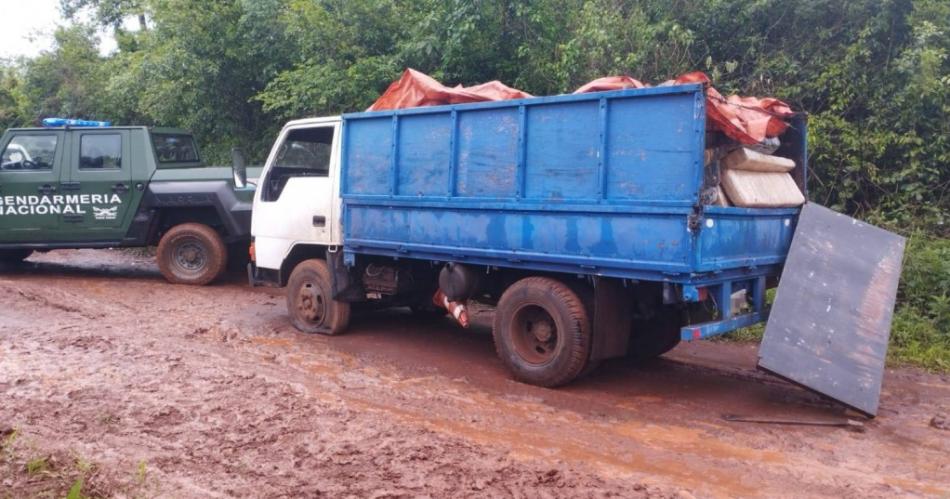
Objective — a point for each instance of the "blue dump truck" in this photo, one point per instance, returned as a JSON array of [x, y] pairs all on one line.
[[588, 221]]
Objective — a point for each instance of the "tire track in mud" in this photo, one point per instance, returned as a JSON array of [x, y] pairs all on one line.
[[199, 413], [693, 458], [213, 390]]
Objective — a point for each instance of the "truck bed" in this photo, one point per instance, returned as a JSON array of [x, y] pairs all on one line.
[[605, 183]]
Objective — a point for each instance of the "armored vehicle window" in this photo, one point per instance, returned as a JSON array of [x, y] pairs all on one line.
[[175, 148], [307, 149], [100, 152], [29, 152]]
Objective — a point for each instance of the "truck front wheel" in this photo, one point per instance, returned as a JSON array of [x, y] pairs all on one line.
[[542, 332], [192, 254], [309, 300]]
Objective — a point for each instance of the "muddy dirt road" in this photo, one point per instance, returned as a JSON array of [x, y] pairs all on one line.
[[203, 392]]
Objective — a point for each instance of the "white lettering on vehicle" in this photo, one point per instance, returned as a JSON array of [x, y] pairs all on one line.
[[70, 204]]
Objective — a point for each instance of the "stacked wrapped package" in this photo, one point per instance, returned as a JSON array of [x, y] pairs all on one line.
[[754, 180]]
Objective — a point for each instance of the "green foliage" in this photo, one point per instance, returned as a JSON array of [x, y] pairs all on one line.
[[110, 13], [343, 56], [37, 465], [75, 491], [141, 473], [9, 96], [67, 80], [921, 329]]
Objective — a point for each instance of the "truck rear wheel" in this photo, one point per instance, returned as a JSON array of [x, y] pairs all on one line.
[[542, 332], [192, 254], [309, 300], [14, 255]]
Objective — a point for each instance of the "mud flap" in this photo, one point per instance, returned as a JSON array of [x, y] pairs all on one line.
[[342, 285], [613, 318], [829, 326]]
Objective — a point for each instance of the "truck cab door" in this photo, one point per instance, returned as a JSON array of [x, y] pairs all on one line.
[[99, 185], [296, 198], [30, 171]]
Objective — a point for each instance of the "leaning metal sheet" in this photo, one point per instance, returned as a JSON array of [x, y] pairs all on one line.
[[830, 323]]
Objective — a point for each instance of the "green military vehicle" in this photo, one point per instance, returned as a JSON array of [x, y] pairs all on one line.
[[122, 186]]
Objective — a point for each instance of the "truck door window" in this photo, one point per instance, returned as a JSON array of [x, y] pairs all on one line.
[[100, 152], [304, 153], [29, 152]]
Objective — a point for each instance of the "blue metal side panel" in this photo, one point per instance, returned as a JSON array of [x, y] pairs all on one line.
[[589, 240], [423, 155], [563, 142], [742, 237], [652, 149], [487, 153], [368, 156]]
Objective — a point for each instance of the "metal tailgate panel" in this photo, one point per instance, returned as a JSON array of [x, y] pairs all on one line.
[[830, 323]]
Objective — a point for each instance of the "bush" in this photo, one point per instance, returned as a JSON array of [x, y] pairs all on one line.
[[920, 333]]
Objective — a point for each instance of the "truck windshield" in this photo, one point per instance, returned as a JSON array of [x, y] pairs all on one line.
[[175, 148]]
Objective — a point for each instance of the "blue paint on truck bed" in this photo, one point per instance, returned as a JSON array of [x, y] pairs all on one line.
[[605, 184]]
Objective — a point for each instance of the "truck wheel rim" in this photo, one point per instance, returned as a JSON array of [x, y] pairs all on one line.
[[191, 256], [534, 334], [311, 304]]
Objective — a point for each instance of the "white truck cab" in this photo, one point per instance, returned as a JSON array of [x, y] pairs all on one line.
[[297, 204]]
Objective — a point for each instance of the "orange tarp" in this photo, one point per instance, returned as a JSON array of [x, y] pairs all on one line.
[[417, 89], [748, 120]]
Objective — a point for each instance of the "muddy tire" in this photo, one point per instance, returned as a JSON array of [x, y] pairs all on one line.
[[192, 254], [309, 302], [14, 255], [654, 337], [542, 332]]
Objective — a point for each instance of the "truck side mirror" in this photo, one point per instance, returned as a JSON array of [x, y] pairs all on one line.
[[239, 168]]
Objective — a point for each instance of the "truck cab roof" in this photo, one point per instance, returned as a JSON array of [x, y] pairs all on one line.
[[313, 121]]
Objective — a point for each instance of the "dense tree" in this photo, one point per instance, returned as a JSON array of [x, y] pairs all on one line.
[[110, 13], [67, 80], [9, 89]]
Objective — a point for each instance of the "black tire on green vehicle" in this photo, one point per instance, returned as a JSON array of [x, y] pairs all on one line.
[[542, 332], [192, 253], [309, 300], [14, 255]]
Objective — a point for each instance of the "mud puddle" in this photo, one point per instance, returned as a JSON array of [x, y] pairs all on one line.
[[212, 393]]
